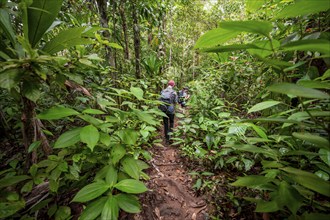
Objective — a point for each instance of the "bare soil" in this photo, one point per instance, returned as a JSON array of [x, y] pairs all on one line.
[[170, 195]]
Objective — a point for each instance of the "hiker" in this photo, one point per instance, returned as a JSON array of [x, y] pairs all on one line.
[[183, 96], [170, 98]]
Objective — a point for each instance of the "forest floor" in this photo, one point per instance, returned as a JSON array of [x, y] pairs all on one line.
[[170, 195]]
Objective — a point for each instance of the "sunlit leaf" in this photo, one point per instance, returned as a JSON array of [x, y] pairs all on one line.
[[257, 27], [253, 5], [297, 90], [57, 112], [130, 166], [314, 84], [315, 45], [90, 136], [325, 156], [90, 192], [117, 152], [128, 136], [263, 105], [228, 48], [303, 7], [137, 92], [111, 176], [93, 111], [131, 186], [215, 37]]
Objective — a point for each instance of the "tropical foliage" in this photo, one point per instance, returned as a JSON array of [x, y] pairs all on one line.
[[78, 109]]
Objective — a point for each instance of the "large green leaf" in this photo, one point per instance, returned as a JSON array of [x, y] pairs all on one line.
[[91, 191], [325, 156], [265, 48], [9, 208], [131, 186], [256, 27], [12, 180], [228, 48], [137, 92], [304, 7], [90, 136], [314, 84], [9, 78], [263, 105], [41, 15], [6, 26], [254, 149], [145, 116], [252, 181], [68, 138], [128, 203], [315, 45], [117, 152], [130, 166], [297, 90], [313, 139], [215, 37], [128, 136], [111, 175], [309, 180], [31, 90], [93, 111], [253, 5], [57, 112], [300, 116], [66, 39], [94, 209], [110, 209], [289, 196]]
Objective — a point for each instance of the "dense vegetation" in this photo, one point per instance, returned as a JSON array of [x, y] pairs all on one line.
[[78, 109]]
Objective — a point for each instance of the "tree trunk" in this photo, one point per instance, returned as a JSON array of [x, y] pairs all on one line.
[[137, 43], [104, 22], [114, 22], [124, 26], [32, 131]]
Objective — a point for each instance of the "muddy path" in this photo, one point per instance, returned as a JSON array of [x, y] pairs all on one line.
[[170, 195]]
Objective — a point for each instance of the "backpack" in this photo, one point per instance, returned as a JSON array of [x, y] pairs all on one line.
[[167, 96], [181, 96]]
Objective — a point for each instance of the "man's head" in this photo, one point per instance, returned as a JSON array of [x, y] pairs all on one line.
[[171, 83]]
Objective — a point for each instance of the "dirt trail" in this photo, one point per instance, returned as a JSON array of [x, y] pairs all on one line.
[[170, 196]]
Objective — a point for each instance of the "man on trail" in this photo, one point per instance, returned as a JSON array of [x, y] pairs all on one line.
[[169, 98]]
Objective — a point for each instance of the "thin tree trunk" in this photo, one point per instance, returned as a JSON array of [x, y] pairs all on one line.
[[104, 22], [114, 22], [136, 31], [124, 26], [32, 131]]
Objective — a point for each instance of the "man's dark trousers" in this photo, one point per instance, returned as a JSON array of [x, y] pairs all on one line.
[[168, 125]]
